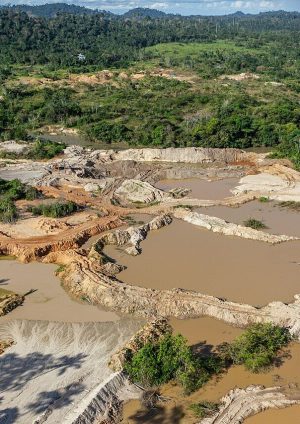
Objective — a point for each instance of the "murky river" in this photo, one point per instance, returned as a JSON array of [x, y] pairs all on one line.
[[49, 301], [183, 255]]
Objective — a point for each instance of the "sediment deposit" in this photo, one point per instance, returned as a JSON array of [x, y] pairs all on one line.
[[240, 404], [114, 184], [218, 225], [48, 374], [9, 301]]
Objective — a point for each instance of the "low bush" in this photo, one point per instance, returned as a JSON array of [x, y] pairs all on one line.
[[38, 150], [257, 347], [54, 210], [45, 150], [8, 211], [171, 359], [255, 224], [10, 191], [263, 199], [15, 190]]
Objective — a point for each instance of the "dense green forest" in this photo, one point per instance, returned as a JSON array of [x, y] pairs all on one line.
[[197, 102], [116, 41]]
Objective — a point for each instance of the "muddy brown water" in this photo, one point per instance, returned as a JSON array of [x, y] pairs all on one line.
[[277, 219], [207, 333], [183, 255], [49, 302], [201, 189], [290, 415]]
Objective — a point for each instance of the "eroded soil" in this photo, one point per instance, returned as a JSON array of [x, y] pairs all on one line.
[[174, 255]]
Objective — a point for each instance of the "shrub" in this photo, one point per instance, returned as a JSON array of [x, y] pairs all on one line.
[[10, 191], [263, 199], [45, 150], [15, 190], [254, 223], [257, 347], [54, 210], [8, 211], [38, 150], [171, 358], [205, 409]]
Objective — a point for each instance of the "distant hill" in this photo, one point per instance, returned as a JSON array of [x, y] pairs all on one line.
[[51, 10], [145, 12]]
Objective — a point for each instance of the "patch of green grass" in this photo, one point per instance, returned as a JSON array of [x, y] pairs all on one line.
[[60, 268], [7, 258], [255, 224], [263, 199], [182, 50]]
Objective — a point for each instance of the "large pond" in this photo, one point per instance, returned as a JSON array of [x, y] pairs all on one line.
[[289, 415], [183, 255], [201, 189], [278, 220], [49, 301]]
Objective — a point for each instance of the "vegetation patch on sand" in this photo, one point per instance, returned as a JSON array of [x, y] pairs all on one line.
[[10, 191], [54, 210], [170, 358], [255, 224]]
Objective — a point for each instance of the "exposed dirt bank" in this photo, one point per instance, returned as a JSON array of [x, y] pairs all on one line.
[[81, 279], [219, 225], [9, 300], [239, 404], [28, 249]]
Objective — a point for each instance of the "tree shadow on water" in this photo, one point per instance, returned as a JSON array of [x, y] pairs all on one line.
[[202, 348], [16, 371], [159, 415]]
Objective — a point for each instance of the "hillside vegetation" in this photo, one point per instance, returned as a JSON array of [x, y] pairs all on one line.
[[215, 81]]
